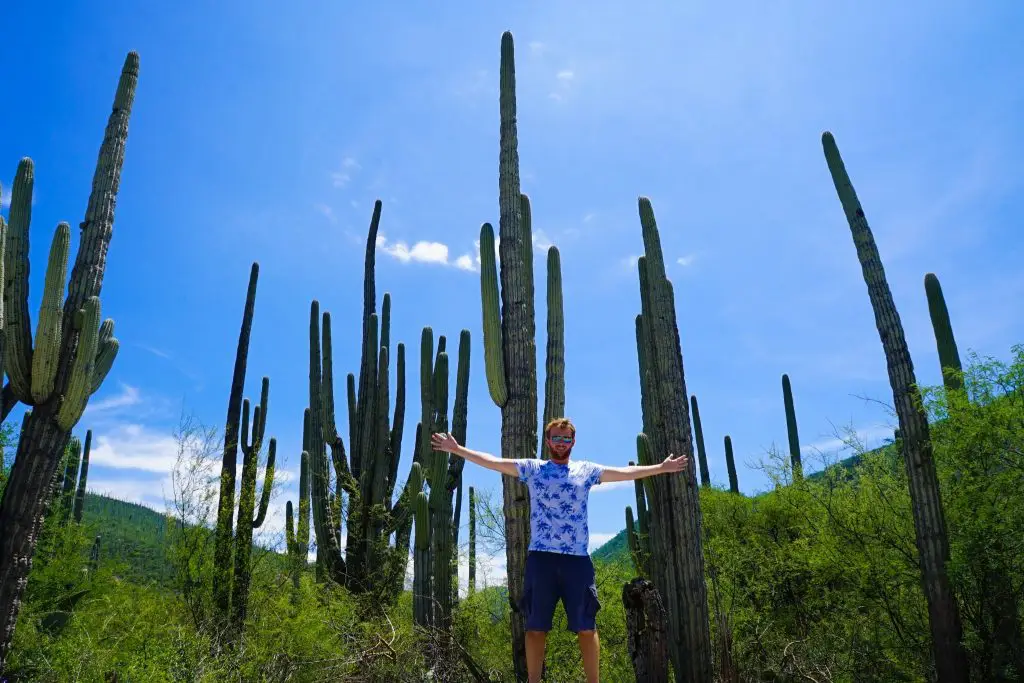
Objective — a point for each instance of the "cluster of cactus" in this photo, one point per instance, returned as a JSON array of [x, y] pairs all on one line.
[[72, 353], [76, 475], [926, 500], [673, 505], [233, 542], [367, 475], [509, 328], [437, 522]]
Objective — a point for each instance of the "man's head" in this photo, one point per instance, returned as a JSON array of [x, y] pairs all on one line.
[[560, 435]]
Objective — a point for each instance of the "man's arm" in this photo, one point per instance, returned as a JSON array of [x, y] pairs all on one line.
[[673, 463], [448, 444]]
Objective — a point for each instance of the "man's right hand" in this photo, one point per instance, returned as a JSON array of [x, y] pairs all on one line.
[[444, 442]]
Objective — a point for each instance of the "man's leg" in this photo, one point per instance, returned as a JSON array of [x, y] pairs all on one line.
[[535, 641], [590, 648], [581, 606], [540, 596]]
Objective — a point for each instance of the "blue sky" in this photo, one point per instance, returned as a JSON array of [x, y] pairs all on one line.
[[265, 132]]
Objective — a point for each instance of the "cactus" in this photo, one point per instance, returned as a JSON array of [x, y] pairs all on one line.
[[68, 348], [730, 464], [297, 537], [83, 476], [510, 339], [421, 563], [443, 470], [677, 564], [702, 454], [792, 430], [368, 472], [949, 356], [72, 462], [926, 500], [233, 543], [472, 542]]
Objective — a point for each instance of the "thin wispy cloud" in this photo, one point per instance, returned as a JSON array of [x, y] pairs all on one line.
[[598, 539], [341, 177], [687, 260], [611, 486], [128, 396], [326, 211], [135, 447]]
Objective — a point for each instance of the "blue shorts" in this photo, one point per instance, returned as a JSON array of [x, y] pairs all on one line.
[[554, 576]]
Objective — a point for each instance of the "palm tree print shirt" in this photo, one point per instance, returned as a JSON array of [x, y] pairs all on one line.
[[558, 503]]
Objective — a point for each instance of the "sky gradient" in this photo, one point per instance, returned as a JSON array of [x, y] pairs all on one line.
[[264, 132]]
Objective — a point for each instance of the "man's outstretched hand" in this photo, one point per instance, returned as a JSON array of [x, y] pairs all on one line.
[[444, 442], [674, 463]]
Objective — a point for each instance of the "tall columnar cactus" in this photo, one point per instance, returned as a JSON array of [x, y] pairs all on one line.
[[443, 471], [554, 366], [510, 339], [71, 356], [472, 542], [638, 534], [83, 477], [702, 454], [791, 430], [233, 542], [72, 462], [297, 537], [677, 564], [949, 356], [421, 563], [926, 501], [730, 464]]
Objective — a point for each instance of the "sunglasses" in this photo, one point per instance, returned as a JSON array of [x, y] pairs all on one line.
[[561, 439]]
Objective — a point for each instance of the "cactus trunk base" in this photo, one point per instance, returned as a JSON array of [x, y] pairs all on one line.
[[646, 631], [22, 509]]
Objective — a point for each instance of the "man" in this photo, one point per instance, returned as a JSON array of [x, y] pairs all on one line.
[[558, 565]]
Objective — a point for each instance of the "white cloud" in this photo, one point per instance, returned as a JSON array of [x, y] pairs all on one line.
[[349, 162], [5, 197], [589, 216], [422, 252], [629, 263], [152, 493], [537, 47], [541, 241], [134, 447], [129, 396], [327, 212], [866, 437], [565, 75], [686, 260]]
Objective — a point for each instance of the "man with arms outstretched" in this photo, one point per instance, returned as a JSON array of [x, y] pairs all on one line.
[[558, 564]]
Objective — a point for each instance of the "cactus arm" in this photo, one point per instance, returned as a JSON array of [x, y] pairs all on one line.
[[397, 424], [73, 458], [108, 346], [494, 363], [80, 380], [268, 482], [730, 463], [698, 431], [554, 380], [460, 413], [945, 341], [45, 357], [17, 323]]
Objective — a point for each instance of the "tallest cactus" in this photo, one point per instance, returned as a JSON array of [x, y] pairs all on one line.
[[78, 352], [510, 348]]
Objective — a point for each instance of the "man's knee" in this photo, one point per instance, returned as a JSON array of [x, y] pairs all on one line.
[[587, 633]]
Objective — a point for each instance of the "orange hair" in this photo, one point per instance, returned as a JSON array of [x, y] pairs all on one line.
[[561, 423]]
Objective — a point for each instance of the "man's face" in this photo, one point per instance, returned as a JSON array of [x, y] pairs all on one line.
[[560, 442]]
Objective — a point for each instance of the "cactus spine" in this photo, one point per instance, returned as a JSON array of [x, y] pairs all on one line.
[[926, 500], [70, 346], [791, 430], [674, 506], [730, 464], [702, 454]]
